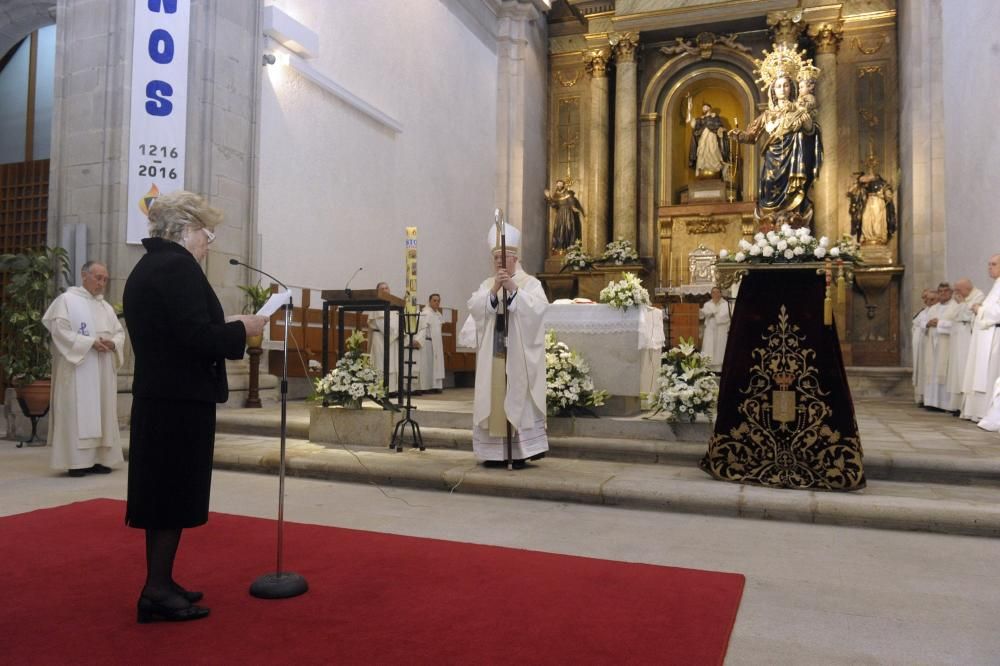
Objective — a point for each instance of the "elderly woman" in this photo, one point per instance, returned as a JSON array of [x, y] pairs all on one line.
[[181, 340], [510, 369]]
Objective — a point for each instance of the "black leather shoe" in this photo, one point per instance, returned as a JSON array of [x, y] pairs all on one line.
[[150, 611], [99, 469], [78, 472], [188, 594]]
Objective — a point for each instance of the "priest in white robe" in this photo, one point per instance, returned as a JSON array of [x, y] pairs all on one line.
[[510, 378], [960, 326], [918, 331], [376, 336], [983, 365], [717, 316], [87, 350], [431, 354], [937, 343]]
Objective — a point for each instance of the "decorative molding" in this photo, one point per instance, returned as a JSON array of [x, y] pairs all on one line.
[[703, 45], [786, 27], [596, 62], [869, 69], [883, 39], [568, 83], [705, 225]]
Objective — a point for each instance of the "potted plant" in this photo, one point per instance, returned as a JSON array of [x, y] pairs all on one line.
[[257, 296], [24, 349]]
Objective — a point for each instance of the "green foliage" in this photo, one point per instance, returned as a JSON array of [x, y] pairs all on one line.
[[33, 283], [256, 295]]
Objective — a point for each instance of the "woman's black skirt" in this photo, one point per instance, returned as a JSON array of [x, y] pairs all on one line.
[[170, 463]]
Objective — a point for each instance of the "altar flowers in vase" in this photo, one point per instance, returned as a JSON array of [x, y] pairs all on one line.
[[569, 389], [576, 259], [626, 293], [790, 246], [353, 378], [619, 252], [686, 388]]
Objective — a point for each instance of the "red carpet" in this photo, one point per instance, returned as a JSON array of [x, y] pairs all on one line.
[[73, 575]]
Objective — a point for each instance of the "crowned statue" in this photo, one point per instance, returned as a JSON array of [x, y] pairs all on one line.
[[793, 150]]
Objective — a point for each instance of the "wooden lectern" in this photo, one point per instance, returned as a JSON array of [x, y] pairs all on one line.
[[361, 300]]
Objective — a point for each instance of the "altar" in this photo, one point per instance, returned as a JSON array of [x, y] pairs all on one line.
[[622, 348]]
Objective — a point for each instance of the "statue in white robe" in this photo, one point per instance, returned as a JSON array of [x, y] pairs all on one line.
[[717, 316], [510, 387], [88, 345], [431, 354], [961, 333], [983, 365], [937, 344]]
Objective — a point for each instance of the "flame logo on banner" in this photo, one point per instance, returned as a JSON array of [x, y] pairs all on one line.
[[147, 199]]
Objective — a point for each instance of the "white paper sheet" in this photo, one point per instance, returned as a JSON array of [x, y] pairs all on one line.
[[275, 302]]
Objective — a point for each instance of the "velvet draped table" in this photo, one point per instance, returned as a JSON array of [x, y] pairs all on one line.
[[785, 414]]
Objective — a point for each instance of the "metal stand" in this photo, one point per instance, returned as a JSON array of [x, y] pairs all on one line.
[[35, 418], [399, 431], [282, 584]]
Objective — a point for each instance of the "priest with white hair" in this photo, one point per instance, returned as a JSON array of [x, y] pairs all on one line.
[[960, 326], [983, 366], [510, 370], [88, 345]]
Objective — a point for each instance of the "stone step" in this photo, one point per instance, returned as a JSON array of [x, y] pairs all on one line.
[[675, 487], [910, 466]]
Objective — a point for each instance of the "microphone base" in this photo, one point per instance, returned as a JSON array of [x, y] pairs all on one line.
[[279, 586]]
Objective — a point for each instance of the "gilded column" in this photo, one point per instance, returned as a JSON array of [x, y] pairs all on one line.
[[626, 110], [647, 202], [786, 27], [597, 228], [826, 191]]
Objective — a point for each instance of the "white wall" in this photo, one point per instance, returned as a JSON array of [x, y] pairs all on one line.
[[971, 77], [337, 188]]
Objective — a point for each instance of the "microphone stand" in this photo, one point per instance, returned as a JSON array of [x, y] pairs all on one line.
[[501, 225], [281, 584]]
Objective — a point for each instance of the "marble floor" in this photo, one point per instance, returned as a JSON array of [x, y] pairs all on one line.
[[815, 594]]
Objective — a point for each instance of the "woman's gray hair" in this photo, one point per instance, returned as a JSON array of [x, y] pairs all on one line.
[[173, 214]]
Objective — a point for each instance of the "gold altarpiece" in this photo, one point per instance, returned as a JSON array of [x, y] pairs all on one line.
[[854, 47]]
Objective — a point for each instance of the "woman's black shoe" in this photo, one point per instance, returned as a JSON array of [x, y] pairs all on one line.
[[187, 594], [151, 611]]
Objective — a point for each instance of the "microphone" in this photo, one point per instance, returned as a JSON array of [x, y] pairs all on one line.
[[236, 262], [347, 287]]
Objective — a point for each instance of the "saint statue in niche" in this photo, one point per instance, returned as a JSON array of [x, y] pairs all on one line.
[[793, 150], [569, 216], [709, 151], [873, 214]]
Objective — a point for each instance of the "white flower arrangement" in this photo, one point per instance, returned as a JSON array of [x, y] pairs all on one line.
[[685, 386], [789, 246], [625, 293], [619, 252], [576, 259], [568, 386], [353, 378]]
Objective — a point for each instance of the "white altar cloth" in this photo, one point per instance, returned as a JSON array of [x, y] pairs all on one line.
[[622, 348]]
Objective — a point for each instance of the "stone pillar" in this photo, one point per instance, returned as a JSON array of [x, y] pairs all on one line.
[[512, 43], [786, 27], [626, 111], [826, 193], [647, 202], [596, 236]]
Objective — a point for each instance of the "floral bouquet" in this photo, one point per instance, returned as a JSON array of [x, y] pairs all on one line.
[[568, 386], [576, 259], [619, 252], [625, 293], [789, 246], [353, 378], [685, 386]]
